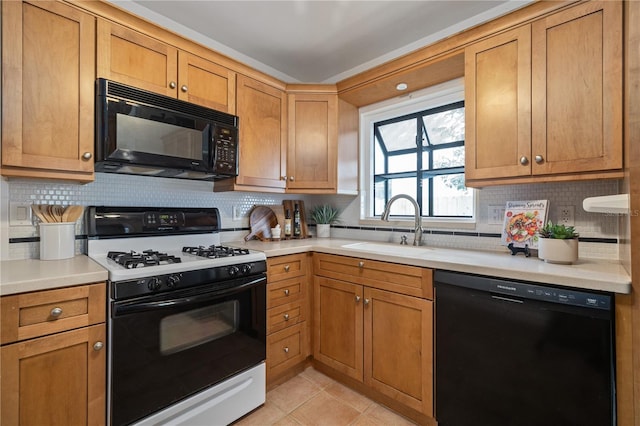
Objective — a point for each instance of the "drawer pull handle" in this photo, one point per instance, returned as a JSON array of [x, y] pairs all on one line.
[[366, 301], [97, 346], [286, 317], [361, 264], [286, 350], [286, 268], [56, 312], [286, 291], [357, 299]]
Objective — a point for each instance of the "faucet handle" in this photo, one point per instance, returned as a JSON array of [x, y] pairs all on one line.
[[403, 240]]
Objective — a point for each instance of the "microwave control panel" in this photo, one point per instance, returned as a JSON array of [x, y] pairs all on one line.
[[225, 155]]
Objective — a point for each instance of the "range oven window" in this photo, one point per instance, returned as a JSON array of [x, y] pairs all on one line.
[[186, 330]]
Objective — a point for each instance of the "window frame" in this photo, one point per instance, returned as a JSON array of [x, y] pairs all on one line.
[[430, 98]]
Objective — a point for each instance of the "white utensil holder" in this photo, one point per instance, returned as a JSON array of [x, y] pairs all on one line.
[[57, 240]]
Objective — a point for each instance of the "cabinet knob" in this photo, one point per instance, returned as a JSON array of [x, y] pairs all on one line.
[[291, 178], [286, 268], [172, 84], [286, 350], [286, 317], [357, 299], [539, 159], [87, 156], [524, 160], [284, 178], [286, 291], [184, 88], [361, 264], [97, 346], [56, 312], [366, 301]]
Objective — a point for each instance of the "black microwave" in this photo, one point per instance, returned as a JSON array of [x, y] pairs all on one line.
[[144, 133]]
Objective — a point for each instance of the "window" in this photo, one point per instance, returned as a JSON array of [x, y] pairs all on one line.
[[418, 150]]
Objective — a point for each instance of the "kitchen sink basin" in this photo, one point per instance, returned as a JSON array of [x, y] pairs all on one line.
[[390, 249]]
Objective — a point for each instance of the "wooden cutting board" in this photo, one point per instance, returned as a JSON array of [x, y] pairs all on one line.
[[261, 220]]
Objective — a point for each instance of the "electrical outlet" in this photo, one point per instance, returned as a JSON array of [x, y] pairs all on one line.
[[19, 214], [236, 213], [566, 215], [496, 215]]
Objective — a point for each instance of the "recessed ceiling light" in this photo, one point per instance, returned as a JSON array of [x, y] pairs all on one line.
[[401, 86]]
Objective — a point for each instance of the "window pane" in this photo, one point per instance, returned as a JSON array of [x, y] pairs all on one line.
[[402, 163], [446, 126], [451, 197], [379, 200], [449, 157], [400, 135], [378, 161], [407, 186], [425, 160]]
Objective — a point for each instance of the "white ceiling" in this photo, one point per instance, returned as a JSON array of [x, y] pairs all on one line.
[[303, 41]]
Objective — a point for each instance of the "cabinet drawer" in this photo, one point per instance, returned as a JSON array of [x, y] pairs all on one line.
[[284, 316], [286, 348], [286, 291], [283, 267], [404, 279], [29, 315]]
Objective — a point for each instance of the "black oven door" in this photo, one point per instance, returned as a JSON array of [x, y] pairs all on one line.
[[167, 347]]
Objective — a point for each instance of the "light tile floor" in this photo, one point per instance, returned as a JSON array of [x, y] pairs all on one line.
[[313, 399]]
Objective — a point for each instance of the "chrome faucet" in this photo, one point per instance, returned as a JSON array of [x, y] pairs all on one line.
[[417, 238]]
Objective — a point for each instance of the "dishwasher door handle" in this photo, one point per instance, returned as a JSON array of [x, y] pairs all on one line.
[[506, 299]]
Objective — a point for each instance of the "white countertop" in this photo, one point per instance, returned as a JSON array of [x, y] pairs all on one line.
[[21, 276], [585, 274]]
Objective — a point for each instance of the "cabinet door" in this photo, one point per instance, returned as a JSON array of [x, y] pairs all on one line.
[[263, 147], [132, 58], [577, 89], [48, 72], [399, 364], [204, 83], [313, 138], [498, 106], [55, 380], [338, 325]]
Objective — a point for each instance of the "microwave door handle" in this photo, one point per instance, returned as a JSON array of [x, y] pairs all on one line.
[[183, 301]]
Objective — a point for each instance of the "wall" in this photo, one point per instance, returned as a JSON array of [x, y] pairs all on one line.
[[599, 232]]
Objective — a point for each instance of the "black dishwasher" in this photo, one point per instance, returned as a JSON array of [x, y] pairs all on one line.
[[520, 353]]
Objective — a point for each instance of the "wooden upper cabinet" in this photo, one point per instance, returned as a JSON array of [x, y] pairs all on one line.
[[577, 89], [48, 73], [135, 59], [313, 141], [545, 99], [262, 112], [498, 105]]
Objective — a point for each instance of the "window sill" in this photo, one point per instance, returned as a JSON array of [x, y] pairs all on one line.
[[426, 223]]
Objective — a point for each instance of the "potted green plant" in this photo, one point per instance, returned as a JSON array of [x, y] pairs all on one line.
[[558, 243], [324, 215]]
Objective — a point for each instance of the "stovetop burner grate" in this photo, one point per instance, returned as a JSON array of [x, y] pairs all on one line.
[[132, 259], [214, 251]]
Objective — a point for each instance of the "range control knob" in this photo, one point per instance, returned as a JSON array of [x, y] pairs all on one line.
[[245, 269], [173, 280], [233, 271], [154, 284]]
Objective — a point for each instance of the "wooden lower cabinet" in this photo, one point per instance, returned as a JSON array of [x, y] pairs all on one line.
[[288, 343], [53, 358], [378, 337]]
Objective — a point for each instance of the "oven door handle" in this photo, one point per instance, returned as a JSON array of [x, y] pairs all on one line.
[[131, 308]]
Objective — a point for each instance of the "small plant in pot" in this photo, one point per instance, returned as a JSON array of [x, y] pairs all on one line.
[[558, 244], [324, 215]]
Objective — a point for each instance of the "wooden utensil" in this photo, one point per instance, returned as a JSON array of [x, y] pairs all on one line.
[[72, 213], [262, 219], [35, 208]]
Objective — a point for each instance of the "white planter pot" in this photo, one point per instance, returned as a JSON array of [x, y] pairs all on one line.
[[323, 230], [558, 251]]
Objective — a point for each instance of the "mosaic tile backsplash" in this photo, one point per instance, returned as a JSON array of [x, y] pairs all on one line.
[[124, 190]]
